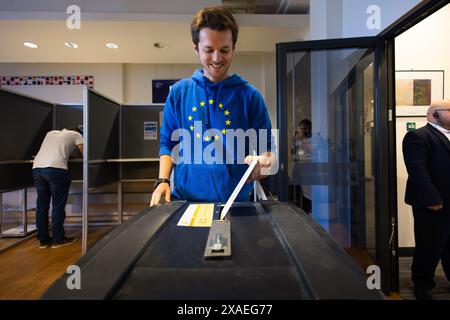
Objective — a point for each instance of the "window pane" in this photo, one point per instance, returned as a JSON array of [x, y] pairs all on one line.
[[330, 123]]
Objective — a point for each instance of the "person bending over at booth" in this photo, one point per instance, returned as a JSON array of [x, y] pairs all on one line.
[[426, 153], [52, 180], [206, 106]]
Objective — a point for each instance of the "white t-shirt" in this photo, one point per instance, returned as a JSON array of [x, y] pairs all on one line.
[[56, 149]]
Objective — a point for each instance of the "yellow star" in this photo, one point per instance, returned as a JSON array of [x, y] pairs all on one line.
[[192, 128], [228, 122], [227, 112], [211, 101], [194, 109], [216, 137], [202, 104], [224, 131], [197, 135], [220, 105], [207, 138], [190, 118]]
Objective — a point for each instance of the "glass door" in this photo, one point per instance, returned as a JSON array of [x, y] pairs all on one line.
[[330, 115]]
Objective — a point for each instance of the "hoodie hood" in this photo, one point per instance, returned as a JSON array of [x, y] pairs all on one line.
[[231, 81], [213, 89]]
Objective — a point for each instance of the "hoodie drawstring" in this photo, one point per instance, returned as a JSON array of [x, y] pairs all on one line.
[[207, 103], [207, 106]]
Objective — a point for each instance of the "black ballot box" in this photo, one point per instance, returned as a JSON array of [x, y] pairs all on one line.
[[278, 252]]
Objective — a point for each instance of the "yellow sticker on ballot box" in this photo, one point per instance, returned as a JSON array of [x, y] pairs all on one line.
[[197, 215]]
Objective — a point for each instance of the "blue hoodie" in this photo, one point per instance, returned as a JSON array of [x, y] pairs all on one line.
[[198, 105]]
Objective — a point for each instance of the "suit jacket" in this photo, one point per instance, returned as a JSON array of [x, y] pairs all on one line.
[[426, 152]]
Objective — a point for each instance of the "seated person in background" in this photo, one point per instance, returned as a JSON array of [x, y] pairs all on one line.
[[302, 149], [302, 142], [52, 180]]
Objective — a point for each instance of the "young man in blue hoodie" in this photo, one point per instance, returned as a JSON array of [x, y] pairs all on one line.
[[208, 107]]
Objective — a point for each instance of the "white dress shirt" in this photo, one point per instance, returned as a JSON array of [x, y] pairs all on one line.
[[444, 131]]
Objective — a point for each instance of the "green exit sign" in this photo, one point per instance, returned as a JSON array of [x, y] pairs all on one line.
[[410, 126]]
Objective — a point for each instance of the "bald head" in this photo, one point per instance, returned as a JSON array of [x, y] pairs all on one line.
[[437, 105]]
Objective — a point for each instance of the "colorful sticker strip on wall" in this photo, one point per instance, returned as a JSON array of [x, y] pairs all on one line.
[[47, 80]]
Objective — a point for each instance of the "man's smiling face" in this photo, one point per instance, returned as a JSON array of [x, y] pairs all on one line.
[[215, 50]]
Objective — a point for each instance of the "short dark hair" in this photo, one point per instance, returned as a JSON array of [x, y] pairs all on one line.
[[214, 18], [75, 129], [306, 123]]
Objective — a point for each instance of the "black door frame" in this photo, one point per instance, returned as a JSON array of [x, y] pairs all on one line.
[[384, 116]]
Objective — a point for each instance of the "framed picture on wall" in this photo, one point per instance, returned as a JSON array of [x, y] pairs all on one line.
[[416, 89], [160, 90]]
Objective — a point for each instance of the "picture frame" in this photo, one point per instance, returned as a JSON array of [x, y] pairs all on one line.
[[416, 89], [161, 89]]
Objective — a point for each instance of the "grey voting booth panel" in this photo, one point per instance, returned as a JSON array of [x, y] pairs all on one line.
[[103, 139], [70, 116], [141, 126], [279, 252], [140, 139], [24, 122], [67, 116]]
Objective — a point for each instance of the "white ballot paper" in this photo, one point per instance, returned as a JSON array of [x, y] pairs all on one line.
[[197, 215], [238, 188]]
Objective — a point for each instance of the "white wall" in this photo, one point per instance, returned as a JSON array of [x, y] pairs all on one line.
[[355, 15], [258, 68], [426, 46], [348, 18], [423, 47], [132, 83], [108, 79], [270, 86], [405, 217], [138, 79]]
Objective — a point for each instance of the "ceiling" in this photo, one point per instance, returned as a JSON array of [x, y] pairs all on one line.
[[135, 27], [159, 6], [268, 6]]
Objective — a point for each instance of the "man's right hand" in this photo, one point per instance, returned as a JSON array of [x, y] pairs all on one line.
[[436, 207], [162, 188]]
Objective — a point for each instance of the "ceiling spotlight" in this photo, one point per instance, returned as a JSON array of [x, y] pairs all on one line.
[[111, 45], [30, 45], [72, 45], [159, 45]]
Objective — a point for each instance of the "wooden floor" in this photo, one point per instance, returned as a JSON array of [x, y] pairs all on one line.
[[26, 271]]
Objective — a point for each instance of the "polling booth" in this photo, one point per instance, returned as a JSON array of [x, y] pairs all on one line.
[[101, 147], [24, 122], [140, 128], [70, 116], [121, 150]]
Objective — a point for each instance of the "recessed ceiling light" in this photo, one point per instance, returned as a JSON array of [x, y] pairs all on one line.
[[111, 45], [159, 45], [71, 45], [30, 45]]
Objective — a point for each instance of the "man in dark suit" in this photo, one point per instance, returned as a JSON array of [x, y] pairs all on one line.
[[426, 153]]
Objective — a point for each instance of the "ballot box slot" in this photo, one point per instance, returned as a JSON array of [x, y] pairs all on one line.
[[218, 245]]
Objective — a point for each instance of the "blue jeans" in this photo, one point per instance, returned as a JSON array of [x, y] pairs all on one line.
[[51, 183]]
